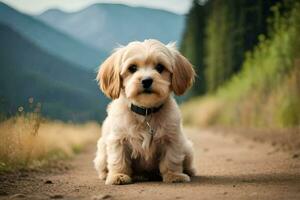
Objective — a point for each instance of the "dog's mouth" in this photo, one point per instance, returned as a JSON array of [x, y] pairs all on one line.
[[147, 91]]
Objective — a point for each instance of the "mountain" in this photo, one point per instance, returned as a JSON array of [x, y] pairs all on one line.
[[66, 91], [50, 39], [104, 26]]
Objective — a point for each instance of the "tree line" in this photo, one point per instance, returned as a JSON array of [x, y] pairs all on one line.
[[218, 34]]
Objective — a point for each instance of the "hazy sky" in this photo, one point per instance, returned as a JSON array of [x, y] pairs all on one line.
[[38, 6]]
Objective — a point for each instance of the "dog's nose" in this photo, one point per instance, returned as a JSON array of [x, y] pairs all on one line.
[[147, 82]]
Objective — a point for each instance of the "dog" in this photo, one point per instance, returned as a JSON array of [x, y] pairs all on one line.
[[142, 133]]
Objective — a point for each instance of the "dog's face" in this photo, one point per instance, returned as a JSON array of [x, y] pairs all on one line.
[[147, 72]]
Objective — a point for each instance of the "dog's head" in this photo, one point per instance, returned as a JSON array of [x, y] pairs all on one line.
[[147, 72]]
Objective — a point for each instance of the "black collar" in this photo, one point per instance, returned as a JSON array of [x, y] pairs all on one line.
[[145, 111]]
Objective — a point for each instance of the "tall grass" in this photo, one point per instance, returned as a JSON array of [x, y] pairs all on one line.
[[29, 141], [266, 93]]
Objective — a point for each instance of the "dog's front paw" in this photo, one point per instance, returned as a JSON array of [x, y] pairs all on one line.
[[118, 179], [176, 178], [102, 175], [191, 172]]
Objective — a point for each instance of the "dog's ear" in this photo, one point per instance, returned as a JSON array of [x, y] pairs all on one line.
[[108, 76], [183, 72]]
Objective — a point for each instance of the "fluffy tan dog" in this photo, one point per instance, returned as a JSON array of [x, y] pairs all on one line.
[[142, 133]]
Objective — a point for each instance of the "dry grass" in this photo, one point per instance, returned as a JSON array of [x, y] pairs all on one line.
[[28, 141], [277, 108], [201, 112]]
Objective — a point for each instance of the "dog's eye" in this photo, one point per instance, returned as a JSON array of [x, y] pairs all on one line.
[[160, 68], [132, 68]]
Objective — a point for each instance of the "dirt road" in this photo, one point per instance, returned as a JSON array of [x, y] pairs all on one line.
[[228, 168]]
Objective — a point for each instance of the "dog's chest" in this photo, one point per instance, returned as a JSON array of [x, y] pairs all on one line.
[[144, 150], [145, 159]]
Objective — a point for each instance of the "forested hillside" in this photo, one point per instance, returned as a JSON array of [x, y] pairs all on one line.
[[30, 77], [265, 88], [219, 33]]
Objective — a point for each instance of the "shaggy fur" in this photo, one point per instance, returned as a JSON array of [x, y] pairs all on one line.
[[124, 150]]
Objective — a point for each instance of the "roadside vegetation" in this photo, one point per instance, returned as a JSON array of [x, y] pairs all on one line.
[[29, 141], [266, 91]]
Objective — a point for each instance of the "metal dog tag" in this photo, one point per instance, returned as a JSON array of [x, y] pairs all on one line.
[[151, 132]]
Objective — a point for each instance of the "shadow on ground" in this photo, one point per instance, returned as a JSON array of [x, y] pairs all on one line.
[[251, 178]]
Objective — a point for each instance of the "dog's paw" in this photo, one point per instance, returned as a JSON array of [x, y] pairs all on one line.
[[118, 179], [176, 178], [102, 175], [191, 172]]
